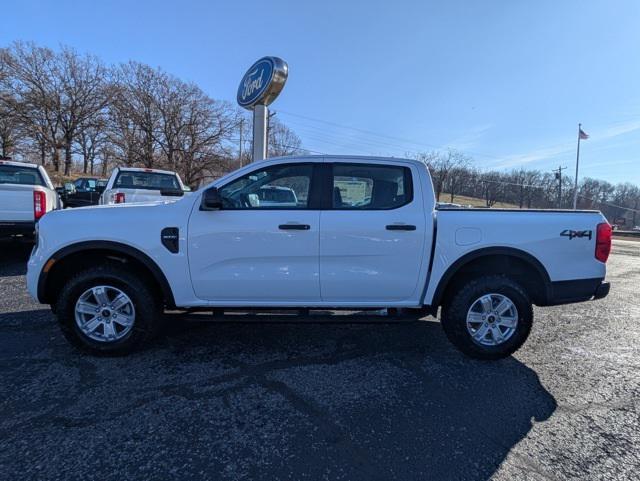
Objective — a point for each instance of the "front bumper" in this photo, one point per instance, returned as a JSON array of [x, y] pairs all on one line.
[[579, 290]]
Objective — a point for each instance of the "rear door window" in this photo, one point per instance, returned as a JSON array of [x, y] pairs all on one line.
[[371, 187], [11, 174]]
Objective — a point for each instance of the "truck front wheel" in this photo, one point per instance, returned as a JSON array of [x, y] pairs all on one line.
[[488, 318], [107, 309]]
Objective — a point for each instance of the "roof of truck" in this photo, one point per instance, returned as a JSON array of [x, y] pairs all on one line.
[[18, 164], [143, 169], [358, 158]]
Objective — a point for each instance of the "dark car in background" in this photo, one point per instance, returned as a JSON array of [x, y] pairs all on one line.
[[82, 192]]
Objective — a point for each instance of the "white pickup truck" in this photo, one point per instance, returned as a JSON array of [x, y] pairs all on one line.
[[26, 194], [132, 184], [362, 234]]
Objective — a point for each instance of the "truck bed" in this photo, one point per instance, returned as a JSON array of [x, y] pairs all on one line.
[[562, 241]]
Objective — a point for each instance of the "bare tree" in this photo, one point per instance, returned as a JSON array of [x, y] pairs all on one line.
[[203, 143], [134, 116], [32, 94], [83, 96], [10, 132], [441, 165], [90, 141], [282, 141]]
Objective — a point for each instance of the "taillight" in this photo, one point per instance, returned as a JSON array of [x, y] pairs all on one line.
[[119, 198], [39, 204], [603, 241]]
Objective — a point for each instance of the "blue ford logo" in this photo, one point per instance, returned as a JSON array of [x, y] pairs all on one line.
[[255, 82], [263, 82]]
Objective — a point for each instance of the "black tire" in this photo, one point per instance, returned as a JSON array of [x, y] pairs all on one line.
[[454, 316], [148, 312]]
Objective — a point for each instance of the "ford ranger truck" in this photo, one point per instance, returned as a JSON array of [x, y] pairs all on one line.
[[131, 184], [26, 194], [363, 234]]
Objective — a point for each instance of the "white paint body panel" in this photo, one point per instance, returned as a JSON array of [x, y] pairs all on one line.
[[16, 200], [140, 230], [535, 232], [240, 258]]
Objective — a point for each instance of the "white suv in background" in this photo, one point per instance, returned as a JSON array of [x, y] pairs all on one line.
[[26, 194], [130, 184]]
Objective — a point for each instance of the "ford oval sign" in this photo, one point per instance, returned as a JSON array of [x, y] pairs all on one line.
[[263, 82]]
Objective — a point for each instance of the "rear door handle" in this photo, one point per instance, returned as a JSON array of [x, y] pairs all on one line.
[[401, 227], [294, 226]]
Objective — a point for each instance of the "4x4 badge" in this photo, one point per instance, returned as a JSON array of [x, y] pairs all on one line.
[[571, 234]]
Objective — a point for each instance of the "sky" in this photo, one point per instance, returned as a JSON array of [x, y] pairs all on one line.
[[505, 81]]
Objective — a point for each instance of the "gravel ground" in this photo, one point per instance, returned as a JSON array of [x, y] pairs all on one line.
[[353, 398]]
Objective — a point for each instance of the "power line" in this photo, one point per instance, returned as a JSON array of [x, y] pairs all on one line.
[[391, 137], [404, 141], [292, 147]]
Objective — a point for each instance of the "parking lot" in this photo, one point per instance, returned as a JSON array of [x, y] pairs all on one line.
[[324, 397]]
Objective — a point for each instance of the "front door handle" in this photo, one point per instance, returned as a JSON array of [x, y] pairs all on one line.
[[294, 227], [401, 227]]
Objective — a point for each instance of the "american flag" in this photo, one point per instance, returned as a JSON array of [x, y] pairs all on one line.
[[583, 135]]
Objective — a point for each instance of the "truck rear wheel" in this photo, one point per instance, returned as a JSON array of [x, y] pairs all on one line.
[[107, 310], [488, 318]]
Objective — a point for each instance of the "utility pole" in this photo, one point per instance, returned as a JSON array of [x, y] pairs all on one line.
[[558, 173], [271, 114], [241, 140]]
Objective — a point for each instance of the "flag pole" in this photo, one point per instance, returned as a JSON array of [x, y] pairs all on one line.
[[575, 182]]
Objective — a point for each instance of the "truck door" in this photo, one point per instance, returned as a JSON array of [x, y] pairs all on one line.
[[259, 252], [373, 238]]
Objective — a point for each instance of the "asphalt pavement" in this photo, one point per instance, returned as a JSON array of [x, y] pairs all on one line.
[[320, 397]]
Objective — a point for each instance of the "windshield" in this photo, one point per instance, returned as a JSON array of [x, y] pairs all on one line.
[[147, 180], [11, 174], [85, 184]]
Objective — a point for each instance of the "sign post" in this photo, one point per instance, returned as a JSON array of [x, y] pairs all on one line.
[[260, 114], [260, 86]]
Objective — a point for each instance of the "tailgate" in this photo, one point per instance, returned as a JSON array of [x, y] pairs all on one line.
[[16, 203]]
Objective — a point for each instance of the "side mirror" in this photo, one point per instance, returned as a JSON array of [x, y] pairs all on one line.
[[211, 199]]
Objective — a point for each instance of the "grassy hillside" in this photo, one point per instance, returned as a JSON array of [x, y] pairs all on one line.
[[474, 201]]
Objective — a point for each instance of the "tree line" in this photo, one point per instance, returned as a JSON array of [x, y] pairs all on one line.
[[70, 111], [454, 174]]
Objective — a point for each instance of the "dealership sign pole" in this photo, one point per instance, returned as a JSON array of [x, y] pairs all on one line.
[[259, 87]]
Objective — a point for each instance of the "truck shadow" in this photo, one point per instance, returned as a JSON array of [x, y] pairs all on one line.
[[276, 399]]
